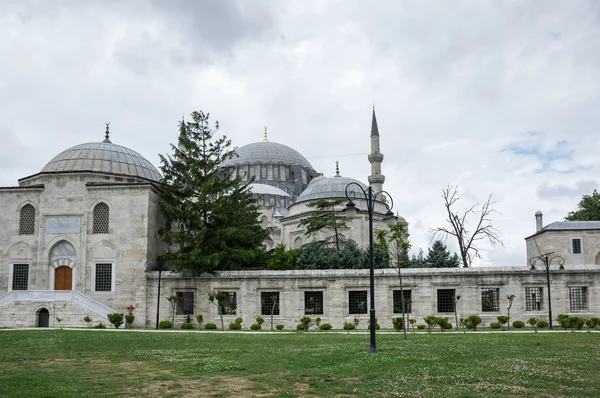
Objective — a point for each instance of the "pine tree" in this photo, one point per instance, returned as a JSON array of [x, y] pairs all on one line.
[[438, 256], [326, 218], [211, 216]]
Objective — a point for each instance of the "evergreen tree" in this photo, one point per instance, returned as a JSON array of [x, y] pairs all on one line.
[[316, 255], [326, 218], [438, 256], [281, 259], [210, 215], [418, 261], [350, 256], [588, 209]]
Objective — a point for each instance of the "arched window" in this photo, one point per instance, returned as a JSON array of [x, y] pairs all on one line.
[[298, 243], [101, 219], [27, 220]]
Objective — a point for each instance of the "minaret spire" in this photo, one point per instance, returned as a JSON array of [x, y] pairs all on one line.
[[376, 179], [337, 169], [265, 139], [107, 134]]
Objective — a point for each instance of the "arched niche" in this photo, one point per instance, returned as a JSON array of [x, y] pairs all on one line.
[[62, 254], [20, 251]]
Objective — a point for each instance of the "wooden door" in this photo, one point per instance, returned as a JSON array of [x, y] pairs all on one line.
[[63, 277]]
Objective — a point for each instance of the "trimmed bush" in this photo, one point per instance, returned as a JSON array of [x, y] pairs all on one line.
[[199, 319], [116, 319], [325, 326], [165, 325], [255, 326], [235, 326], [187, 325], [420, 326], [305, 321], [472, 322], [398, 323], [129, 318], [349, 326], [260, 320], [542, 324], [210, 326], [238, 320], [495, 325], [446, 326], [279, 327], [503, 319], [300, 326], [518, 324], [100, 326]]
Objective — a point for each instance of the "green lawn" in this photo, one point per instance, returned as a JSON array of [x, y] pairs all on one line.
[[82, 363]]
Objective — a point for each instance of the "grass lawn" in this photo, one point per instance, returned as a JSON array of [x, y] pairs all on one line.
[[83, 363]]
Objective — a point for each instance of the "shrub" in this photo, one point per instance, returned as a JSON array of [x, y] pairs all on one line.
[[420, 326], [398, 323], [88, 320], [446, 326], [199, 319], [129, 318], [596, 321], [325, 326], [100, 326], [305, 320], [349, 326], [563, 320], [116, 319], [318, 322], [260, 320], [300, 326], [576, 322], [235, 326], [165, 325], [238, 320], [187, 325], [472, 322], [503, 319], [495, 325], [518, 324], [210, 326], [255, 326], [431, 322], [541, 324], [376, 326], [279, 327]]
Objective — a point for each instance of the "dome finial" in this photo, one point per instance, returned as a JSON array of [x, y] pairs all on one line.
[[265, 139], [107, 133], [337, 169]]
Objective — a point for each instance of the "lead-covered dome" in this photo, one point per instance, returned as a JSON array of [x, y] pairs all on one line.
[[330, 188], [269, 152], [103, 157]]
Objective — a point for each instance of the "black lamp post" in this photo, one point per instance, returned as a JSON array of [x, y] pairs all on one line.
[[546, 259], [159, 266], [370, 197]]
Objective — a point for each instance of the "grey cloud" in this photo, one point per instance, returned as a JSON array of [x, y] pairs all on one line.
[[547, 192]]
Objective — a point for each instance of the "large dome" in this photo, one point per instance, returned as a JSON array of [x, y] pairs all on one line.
[[330, 188], [103, 157], [268, 152]]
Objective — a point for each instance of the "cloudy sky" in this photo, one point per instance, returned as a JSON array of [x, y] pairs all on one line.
[[496, 97]]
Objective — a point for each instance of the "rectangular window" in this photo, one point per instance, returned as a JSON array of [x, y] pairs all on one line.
[[185, 303], [313, 303], [489, 299], [533, 298], [276, 172], [269, 303], [576, 246], [103, 281], [20, 277], [229, 303], [445, 300], [357, 302], [397, 298], [578, 297]]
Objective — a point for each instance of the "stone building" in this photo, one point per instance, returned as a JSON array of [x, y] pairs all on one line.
[[77, 238]]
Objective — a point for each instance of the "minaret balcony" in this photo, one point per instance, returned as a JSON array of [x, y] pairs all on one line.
[[375, 157]]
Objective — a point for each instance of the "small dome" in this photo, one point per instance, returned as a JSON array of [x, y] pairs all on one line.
[[268, 152], [264, 189], [330, 188], [103, 157], [538, 213]]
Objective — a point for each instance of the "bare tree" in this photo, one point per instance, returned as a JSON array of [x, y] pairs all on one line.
[[459, 226]]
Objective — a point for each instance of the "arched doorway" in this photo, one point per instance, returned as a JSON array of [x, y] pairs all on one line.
[[43, 318], [63, 278], [62, 260]]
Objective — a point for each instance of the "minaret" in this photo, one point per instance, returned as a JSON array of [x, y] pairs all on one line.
[[376, 179]]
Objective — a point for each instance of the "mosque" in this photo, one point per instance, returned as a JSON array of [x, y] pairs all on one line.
[[80, 236]]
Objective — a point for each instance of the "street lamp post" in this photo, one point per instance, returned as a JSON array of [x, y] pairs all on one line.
[[370, 197], [159, 266], [546, 259]]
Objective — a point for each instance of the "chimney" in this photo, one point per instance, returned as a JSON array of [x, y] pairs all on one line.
[[539, 224]]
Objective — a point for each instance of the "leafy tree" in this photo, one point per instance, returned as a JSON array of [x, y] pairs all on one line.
[[217, 298], [281, 259], [438, 256], [173, 301], [210, 215], [326, 218], [588, 209], [510, 299], [468, 239]]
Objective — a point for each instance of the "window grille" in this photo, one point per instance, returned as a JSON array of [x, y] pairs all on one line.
[[313, 303], [489, 299], [229, 304], [185, 303], [397, 298], [445, 300], [357, 302], [101, 218], [103, 277], [533, 298], [576, 246], [27, 220], [269, 301], [20, 277], [578, 298]]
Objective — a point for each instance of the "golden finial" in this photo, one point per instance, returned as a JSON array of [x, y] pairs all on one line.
[[265, 139]]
